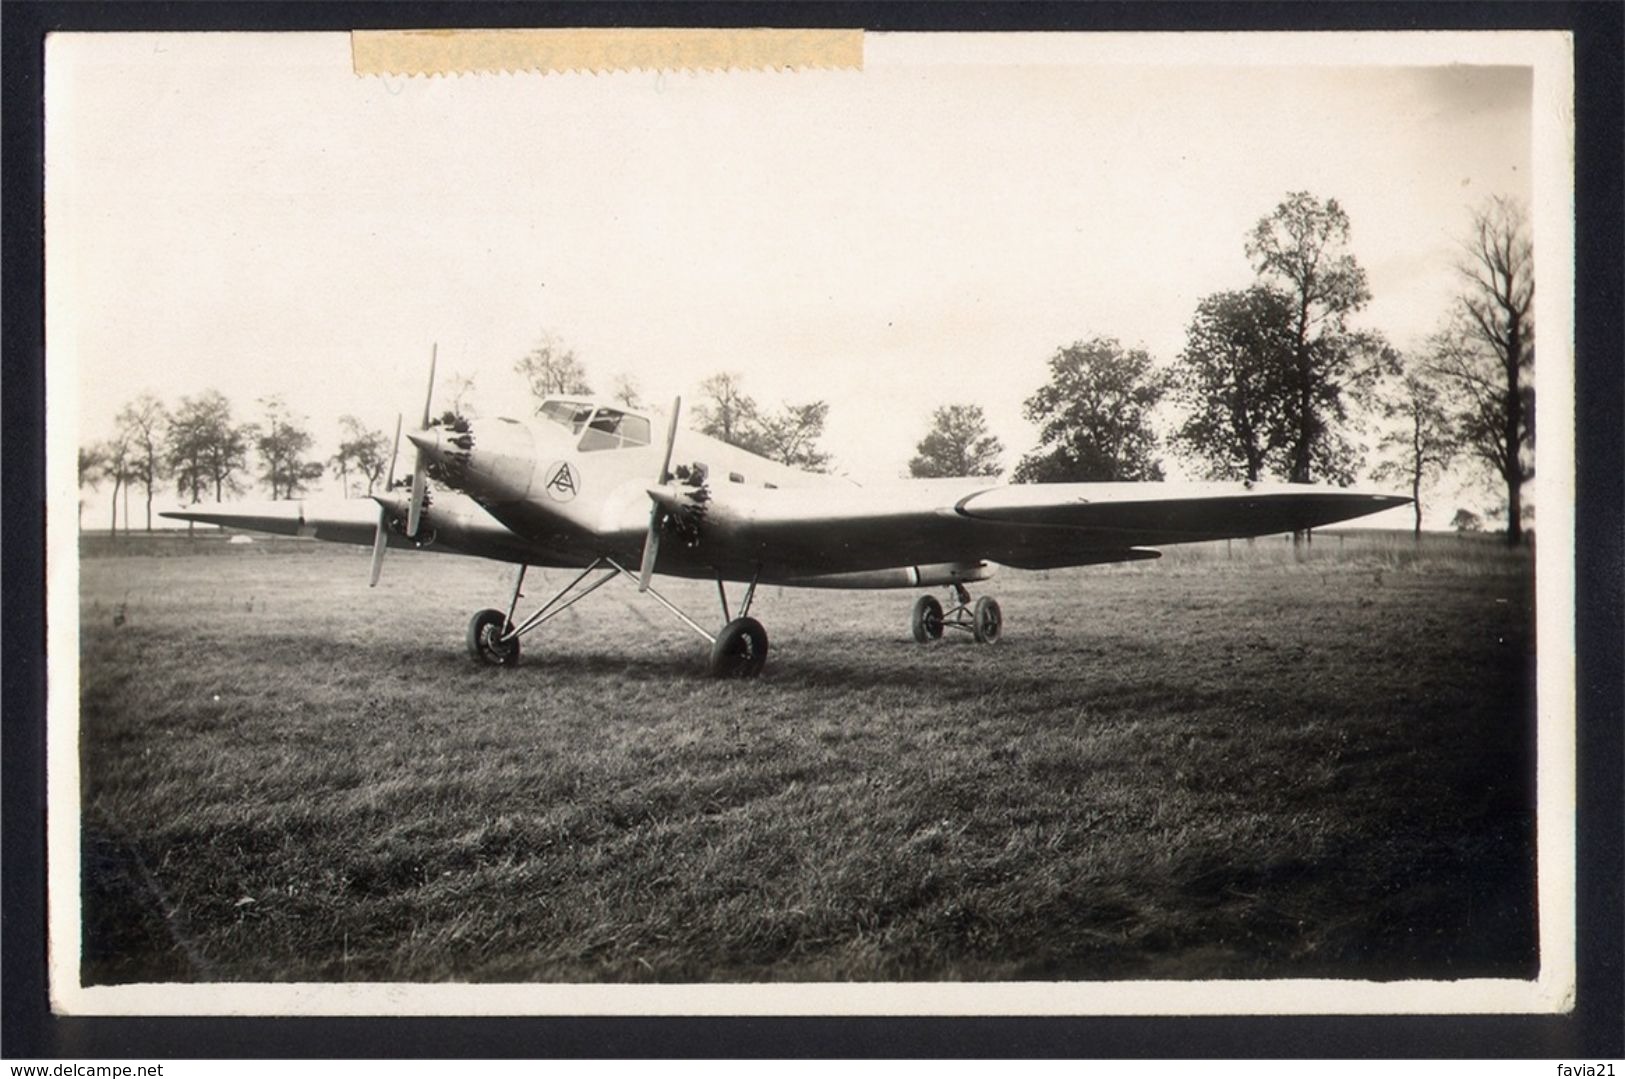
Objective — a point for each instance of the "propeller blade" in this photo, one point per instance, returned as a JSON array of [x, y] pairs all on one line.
[[414, 512], [651, 547], [420, 479], [428, 395], [380, 543], [671, 440], [657, 512], [394, 454]]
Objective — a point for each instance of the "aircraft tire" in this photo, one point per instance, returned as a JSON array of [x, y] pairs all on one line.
[[987, 621], [740, 650], [483, 630], [926, 622]]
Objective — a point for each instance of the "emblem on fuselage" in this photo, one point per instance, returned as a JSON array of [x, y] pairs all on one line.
[[563, 481]]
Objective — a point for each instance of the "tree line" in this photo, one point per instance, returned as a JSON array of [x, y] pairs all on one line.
[[1273, 382], [201, 447]]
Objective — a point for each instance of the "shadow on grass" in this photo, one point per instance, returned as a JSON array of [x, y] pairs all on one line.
[[896, 664]]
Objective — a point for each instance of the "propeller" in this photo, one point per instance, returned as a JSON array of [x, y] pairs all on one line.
[[420, 478], [380, 537], [660, 496]]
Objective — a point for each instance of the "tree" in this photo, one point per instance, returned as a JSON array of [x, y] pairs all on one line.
[[958, 444], [1422, 443], [282, 444], [1467, 521], [1094, 416], [552, 368], [462, 392], [1486, 353], [366, 451], [726, 412], [142, 424], [1302, 249], [117, 464], [626, 391], [1234, 378], [92, 469], [206, 447], [790, 436]]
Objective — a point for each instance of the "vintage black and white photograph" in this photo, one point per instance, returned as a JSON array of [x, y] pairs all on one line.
[[816, 523]]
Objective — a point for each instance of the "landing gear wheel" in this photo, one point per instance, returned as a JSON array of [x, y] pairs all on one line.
[[927, 619], [987, 621], [740, 650], [485, 631]]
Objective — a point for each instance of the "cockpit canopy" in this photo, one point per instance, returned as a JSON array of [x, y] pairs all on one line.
[[600, 427]]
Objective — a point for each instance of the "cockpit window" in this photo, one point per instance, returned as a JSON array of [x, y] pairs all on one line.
[[571, 414], [612, 429]]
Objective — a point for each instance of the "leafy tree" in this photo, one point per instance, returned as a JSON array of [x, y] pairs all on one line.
[[1302, 248], [282, 444], [1467, 521], [790, 436], [1094, 416], [626, 391], [726, 412], [1487, 352], [958, 444], [552, 368], [92, 470], [462, 393], [207, 448], [116, 458], [1233, 378], [1422, 443], [142, 424], [366, 451]]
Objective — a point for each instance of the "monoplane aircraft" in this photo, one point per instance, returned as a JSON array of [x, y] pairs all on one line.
[[591, 486]]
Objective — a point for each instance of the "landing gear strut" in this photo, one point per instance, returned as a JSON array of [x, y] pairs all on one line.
[[738, 650], [984, 621]]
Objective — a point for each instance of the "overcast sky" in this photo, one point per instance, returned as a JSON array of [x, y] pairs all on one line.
[[241, 212]]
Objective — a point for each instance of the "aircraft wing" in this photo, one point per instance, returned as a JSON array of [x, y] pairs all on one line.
[[1035, 526], [454, 523]]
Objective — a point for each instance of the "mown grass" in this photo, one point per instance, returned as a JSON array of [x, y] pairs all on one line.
[[1226, 765]]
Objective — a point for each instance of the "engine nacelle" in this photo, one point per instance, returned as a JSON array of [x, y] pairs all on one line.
[[931, 576]]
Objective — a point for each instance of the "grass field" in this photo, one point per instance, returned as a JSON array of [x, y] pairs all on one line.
[[1228, 764]]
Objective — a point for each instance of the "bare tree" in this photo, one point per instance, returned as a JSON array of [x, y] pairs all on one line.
[[1422, 443], [552, 368], [958, 444], [143, 423], [1487, 352]]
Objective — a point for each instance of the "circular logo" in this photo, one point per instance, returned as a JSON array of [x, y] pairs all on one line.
[[561, 481]]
